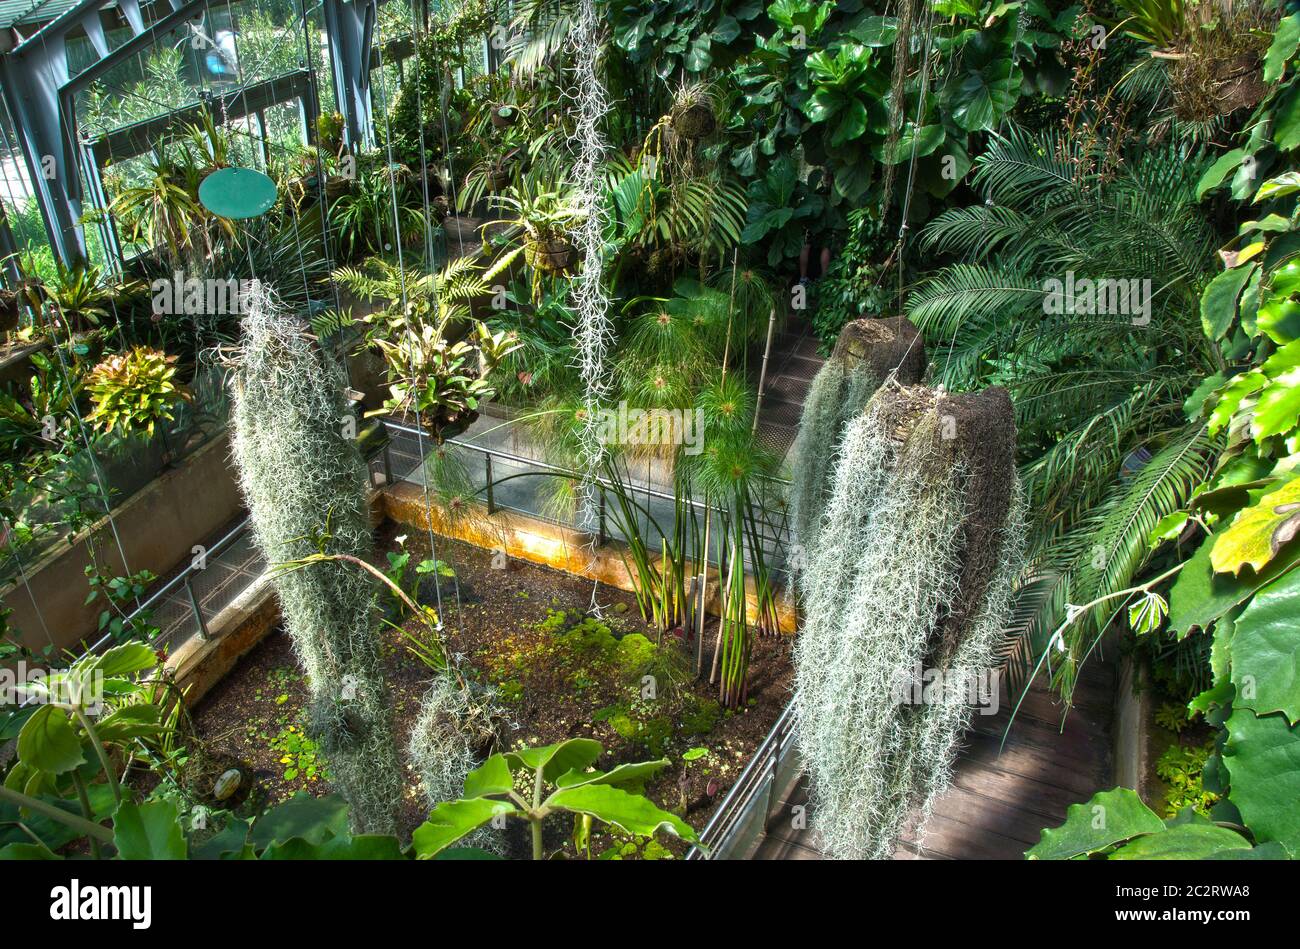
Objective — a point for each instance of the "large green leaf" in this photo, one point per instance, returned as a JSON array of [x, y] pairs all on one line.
[[634, 813], [452, 820], [576, 754], [1266, 650], [126, 659], [314, 819], [981, 97], [1278, 408], [1183, 842], [1263, 760], [229, 840], [149, 831], [1214, 175], [921, 141], [1285, 39], [1219, 301], [128, 723], [1200, 595], [1259, 532], [1286, 120], [18, 851], [1268, 851], [623, 775], [360, 847], [48, 742], [1109, 818], [492, 777]]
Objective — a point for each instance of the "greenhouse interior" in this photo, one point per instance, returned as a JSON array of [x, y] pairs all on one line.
[[678, 430]]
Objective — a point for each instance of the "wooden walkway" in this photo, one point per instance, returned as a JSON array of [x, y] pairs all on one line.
[[1000, 800]]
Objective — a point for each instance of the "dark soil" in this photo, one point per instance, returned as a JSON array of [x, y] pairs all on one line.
[[552, 685]]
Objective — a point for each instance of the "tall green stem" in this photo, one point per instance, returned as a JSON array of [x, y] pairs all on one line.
[[100, 751], [95, 832]]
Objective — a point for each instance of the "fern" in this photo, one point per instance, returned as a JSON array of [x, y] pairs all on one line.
[[1090, 390]]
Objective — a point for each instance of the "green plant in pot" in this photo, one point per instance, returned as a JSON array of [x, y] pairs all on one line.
[[163, 213], [436, 379], [134, 391], [433, 374], [539, 214], [77, 294]]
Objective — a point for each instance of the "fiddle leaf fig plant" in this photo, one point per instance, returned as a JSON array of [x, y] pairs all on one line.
[[516, 785]]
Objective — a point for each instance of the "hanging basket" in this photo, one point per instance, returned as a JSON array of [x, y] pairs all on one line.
[[884, 345], [695, 121], [1210, 87], [337, 185], [504, 116], [552, 256]]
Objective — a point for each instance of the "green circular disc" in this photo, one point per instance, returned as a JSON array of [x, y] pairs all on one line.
[[237, 193]]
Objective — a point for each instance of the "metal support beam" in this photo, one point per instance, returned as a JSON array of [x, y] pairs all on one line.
[[350, 25], [30, 84], [41, 96]]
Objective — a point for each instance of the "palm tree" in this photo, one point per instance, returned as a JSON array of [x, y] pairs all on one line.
[[1106, 448]]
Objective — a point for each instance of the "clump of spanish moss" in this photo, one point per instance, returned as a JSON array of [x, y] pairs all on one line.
[[910, 580], [451, 725], [307, 492], [867, 351]]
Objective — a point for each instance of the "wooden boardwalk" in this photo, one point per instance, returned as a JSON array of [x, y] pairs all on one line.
[[1000, 799]]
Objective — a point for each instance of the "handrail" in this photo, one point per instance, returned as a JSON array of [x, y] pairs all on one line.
[[512, 458], [725, 822], [179, 580]]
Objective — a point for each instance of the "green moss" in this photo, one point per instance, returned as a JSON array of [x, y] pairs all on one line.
[[701, 716], [634, 652], [636, 724]]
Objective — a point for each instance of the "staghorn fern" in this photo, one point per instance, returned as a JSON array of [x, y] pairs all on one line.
[[306, 490]]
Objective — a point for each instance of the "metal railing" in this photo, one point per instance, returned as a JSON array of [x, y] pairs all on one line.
[[403, 456], [743, 817], [184, 605]]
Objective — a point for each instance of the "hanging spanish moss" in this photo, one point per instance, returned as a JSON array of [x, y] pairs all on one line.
[[307, 493], [593, 330], [910, 581], [867, 351]]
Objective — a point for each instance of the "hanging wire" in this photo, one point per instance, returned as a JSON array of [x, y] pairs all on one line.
[[911, 173], [397, 232], [81, 425]]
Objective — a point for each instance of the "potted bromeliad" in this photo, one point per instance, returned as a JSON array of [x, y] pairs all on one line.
[[437, 356], [540, 213]]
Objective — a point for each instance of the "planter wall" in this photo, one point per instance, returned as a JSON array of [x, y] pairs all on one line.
[[158, 527]]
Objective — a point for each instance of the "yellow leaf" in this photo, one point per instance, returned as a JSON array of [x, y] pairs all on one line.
[[1259, 531]]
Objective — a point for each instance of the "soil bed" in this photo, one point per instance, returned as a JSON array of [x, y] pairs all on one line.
[[559, 673]]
